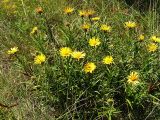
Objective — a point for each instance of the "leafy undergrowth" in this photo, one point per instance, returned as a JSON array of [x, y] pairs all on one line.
[[80, 60]]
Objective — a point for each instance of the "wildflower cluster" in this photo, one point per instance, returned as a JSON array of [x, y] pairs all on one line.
[[88, 63], [95, 41]]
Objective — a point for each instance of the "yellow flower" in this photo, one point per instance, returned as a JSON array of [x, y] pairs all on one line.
[[82, 13], [34, 30], [39, 59], [65, 51], [86, 13], [12, 50], [155, 38], [68, 10], [85, 27], [94, 42], [96, 18], [108, 60], [130, 24], [105, 28], [152, 47], [141, 37], [89, 67], [89, 13], [78, 55], [133, 78]]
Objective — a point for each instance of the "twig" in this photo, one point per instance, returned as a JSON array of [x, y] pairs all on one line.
[[6, 106]]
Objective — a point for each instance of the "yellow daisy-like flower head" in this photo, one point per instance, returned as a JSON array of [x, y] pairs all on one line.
[[65, 51], [95, 18], [82, 13], [39, 59], [130, 24], [34, 30], [89, 67], [85, 27], [89, 13], [86, 13], [94, 42], [105, 28], [155, 38], [108, 60], [141, 37], [68, 10], [78, 55], [133, 78], [12, 50], [152, 47]]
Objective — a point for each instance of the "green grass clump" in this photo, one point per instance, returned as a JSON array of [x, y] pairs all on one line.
[[80, 60]]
